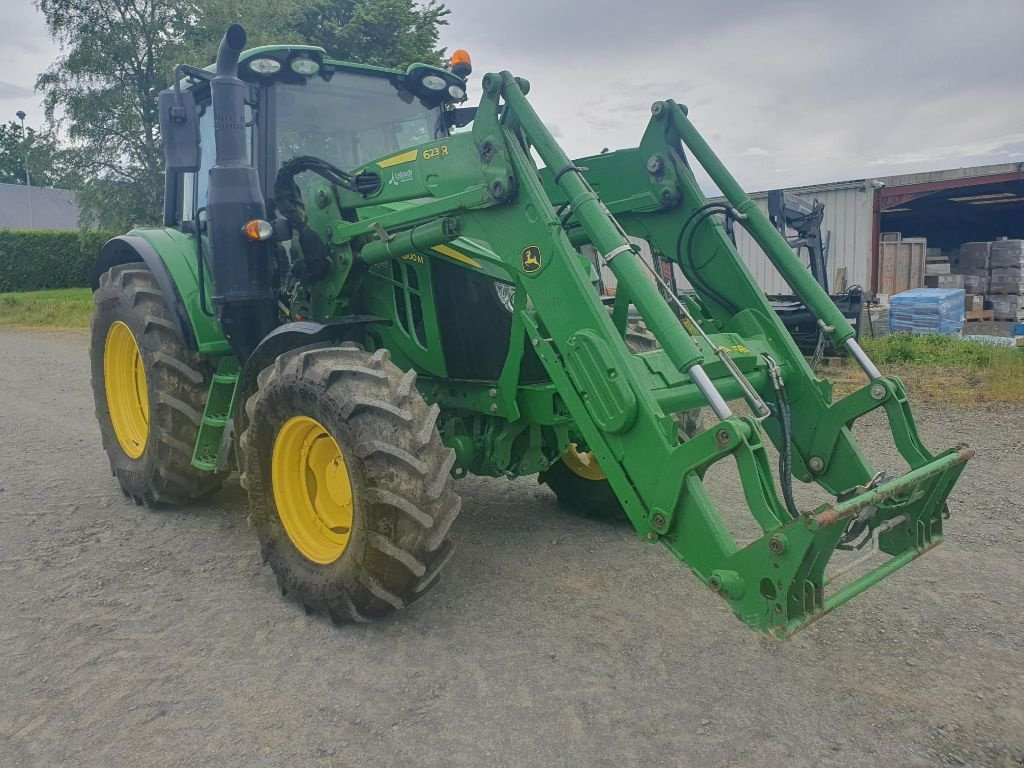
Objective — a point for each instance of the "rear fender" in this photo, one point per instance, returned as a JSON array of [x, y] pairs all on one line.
[[171, 256]]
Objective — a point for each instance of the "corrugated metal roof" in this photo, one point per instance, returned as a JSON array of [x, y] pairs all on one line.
[[899, 179], [813, 188], [23, 207], [951, 173]]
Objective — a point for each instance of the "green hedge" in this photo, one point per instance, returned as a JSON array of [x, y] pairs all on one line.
[[33, 260]]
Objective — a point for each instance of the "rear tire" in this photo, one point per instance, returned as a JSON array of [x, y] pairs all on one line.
[[577, 480], [150, 432], [379, 540]]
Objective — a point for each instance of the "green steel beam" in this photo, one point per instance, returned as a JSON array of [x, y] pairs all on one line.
[[756, 222]]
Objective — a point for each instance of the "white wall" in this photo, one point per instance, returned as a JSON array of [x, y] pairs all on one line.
[[848, 214]]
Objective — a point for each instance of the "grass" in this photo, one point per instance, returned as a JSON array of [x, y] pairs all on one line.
[[943, 369], [63, 308], [935, 368]]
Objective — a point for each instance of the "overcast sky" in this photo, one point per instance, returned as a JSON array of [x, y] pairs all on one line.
[[787, 93]]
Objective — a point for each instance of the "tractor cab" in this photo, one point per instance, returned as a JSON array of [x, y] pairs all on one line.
[[304, 115], [258, 120], [301, 103]]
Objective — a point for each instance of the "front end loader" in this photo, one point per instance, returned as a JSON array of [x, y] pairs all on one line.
[[364, 290]]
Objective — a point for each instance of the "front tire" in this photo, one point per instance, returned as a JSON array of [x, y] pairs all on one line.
[[149, 390], [348, 482]]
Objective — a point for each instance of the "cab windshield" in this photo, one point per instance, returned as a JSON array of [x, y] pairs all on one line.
[[350, 119]]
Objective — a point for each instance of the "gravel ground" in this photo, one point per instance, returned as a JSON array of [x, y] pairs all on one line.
[[138, 638]]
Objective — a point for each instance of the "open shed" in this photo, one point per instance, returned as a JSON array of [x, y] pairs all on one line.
[[953, 207], [949, 208]]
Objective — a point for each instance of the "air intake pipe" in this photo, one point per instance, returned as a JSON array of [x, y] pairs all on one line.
[[243, 291]]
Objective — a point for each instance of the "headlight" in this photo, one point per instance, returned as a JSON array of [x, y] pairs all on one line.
[[434, 83], [456, 92], [304, 67], [265, 67]]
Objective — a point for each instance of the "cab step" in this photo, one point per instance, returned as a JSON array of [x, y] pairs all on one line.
[[217, 415]]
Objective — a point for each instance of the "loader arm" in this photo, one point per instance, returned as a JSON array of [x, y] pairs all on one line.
[[727, 345]]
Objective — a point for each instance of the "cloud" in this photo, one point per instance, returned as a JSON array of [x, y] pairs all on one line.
[[1002, 145], [25, 51], [789, 92], [12, 91]]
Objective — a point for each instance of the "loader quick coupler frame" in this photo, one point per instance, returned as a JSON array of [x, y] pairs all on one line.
[[484, 186], [481, 192]]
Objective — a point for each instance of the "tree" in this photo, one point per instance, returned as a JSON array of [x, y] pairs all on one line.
[[265, 22], [388, 33], [38, 149], [119, 54]]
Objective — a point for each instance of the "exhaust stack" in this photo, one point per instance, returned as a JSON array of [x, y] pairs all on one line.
[[243, 290]]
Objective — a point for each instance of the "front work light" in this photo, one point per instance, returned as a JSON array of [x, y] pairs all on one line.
[[265, 67], [434, 83], [304, 67], [258, 230]]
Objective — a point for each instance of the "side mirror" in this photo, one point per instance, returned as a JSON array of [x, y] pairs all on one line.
[[460, 117], [179, 129]]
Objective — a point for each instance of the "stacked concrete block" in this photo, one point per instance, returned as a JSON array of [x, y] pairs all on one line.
[[1006, 279], [1007, 307], [944, 281], [973, 264]]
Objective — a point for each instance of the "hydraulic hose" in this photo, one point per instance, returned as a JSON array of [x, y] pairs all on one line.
[[693, 223]]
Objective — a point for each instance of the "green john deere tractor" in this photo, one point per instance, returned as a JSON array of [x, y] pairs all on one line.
[[352, 302]]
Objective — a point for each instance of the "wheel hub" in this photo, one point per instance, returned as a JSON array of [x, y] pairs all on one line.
[[312, 489], [583, 464], [124, 380]]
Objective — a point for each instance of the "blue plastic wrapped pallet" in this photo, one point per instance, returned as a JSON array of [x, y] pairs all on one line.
[[927, 310]]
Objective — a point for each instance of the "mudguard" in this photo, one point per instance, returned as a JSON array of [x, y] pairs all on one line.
[[283, 338], [300, 334], [171, 257]]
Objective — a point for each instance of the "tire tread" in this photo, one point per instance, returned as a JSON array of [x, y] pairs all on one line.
[[178, 381], [404, 493]]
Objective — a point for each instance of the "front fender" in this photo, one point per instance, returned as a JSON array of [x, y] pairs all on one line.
[[171, 257]]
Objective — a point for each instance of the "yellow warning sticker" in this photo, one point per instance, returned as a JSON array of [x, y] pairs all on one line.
[[405, 157]]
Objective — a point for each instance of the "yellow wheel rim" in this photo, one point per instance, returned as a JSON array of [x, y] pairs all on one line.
[[312, 489], [124, 378], [582, 464]]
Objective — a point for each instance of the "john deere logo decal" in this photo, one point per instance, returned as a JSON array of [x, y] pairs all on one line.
[[531, 258]]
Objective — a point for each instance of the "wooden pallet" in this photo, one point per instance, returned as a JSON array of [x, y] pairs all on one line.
[[979, 315]]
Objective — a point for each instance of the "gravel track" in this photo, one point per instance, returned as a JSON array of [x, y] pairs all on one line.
[[138, 638]]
